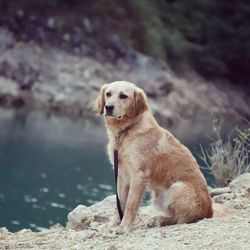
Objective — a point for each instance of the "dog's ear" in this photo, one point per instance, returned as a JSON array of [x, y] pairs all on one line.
[[139, 104], [100, 101]]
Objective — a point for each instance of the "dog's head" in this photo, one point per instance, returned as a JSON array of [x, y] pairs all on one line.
[[120, 100]]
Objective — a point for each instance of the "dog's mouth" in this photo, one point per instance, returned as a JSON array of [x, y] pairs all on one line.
[[113, 116]]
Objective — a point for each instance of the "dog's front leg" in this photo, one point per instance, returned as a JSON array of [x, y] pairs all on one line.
[[136, 191], [122, 189]]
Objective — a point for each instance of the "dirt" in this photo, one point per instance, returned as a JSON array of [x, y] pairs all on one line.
[[230, 232], [87, 228]]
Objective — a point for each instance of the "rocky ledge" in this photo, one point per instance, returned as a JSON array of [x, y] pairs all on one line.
[[87, 228]]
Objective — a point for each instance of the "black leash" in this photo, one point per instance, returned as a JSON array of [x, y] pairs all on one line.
[[118, 203]]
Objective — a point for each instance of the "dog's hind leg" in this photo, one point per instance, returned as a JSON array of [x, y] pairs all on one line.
[[166, 216], [176, 205]]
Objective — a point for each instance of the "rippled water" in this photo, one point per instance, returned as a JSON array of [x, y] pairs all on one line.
[[48, 166]]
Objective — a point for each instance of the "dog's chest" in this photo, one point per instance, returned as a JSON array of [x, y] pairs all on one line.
[[127, 159]]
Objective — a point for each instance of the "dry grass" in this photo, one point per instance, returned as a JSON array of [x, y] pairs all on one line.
[[230, 158]]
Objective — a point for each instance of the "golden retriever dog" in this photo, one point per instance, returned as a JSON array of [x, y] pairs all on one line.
[[150, 157]]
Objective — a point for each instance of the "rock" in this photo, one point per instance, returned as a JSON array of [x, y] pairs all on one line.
[[57, 226], [241, 183], [3, 233], [20, 13], [24, 231], [87, 25], [51, 23], [66, 37], [115, 47], [8, 87], [85, 49], [76, 37], [83, 217], [219, 191], [23, 74], [6, 39], [237, 195], [223, 197], [162, 87]]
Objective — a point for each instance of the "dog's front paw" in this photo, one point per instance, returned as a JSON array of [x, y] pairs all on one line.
[[114, 222], [120, 230]]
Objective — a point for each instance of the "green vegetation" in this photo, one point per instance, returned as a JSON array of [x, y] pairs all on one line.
[[228, 159], [212, 37]]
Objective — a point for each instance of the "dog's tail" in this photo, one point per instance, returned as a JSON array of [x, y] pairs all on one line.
[[220, 210]]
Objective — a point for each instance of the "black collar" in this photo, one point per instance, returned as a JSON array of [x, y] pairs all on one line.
[[118, 136]]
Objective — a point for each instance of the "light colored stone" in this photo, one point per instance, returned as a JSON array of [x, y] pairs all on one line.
[[3, 233], [237, 195], [6, 39], [223, 197], [241, 183], [219, 191], [8, 87], [82, 217]]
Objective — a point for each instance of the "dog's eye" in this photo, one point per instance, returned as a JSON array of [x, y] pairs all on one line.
[[122, 96], [108, 94]]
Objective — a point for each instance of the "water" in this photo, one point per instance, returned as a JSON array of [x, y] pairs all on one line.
[[48, 166]]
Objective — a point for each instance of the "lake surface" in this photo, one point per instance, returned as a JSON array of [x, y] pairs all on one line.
[[48, 166]]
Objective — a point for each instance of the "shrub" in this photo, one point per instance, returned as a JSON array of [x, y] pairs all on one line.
[[228, 159]]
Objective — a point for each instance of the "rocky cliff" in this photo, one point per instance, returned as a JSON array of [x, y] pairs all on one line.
[[34, 76]]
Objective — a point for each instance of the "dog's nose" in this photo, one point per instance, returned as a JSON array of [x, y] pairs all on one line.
[[109, 108]]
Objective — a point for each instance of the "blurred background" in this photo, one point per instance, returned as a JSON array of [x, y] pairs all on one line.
[[192, 58]]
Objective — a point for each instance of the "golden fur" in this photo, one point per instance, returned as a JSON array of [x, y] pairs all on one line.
[[150, 157]]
